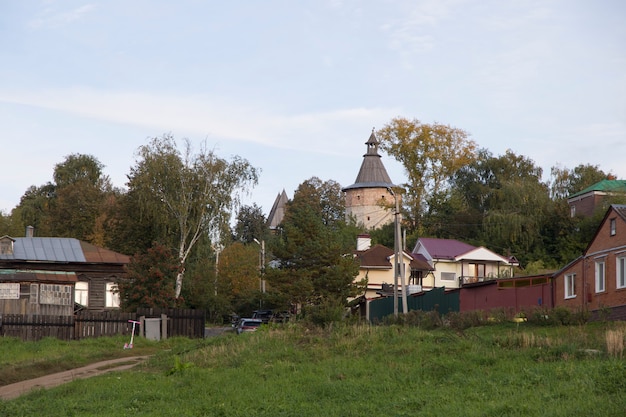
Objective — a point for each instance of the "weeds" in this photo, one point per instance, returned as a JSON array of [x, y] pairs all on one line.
[[615, 342]]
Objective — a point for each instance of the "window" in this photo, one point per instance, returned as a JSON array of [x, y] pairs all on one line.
[[55, 294], [570, 286], [112, 296], [572, 211], [613, 227], [448, 276], [620, 271], [81, 293], [600, 276]]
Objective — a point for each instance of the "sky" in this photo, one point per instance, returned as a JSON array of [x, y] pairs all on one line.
[[296, 87]]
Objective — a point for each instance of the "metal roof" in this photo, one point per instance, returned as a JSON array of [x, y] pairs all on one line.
[[46, 249], [605, 185], [372, 173]]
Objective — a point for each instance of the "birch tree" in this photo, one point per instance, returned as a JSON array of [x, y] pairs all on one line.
[[195, 193]]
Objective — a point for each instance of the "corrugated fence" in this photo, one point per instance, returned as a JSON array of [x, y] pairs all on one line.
[[435, 299]]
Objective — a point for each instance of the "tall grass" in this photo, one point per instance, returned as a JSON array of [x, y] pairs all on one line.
[[615, 341], [356, 370]]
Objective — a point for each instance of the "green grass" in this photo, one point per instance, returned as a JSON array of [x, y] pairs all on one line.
[[499, 370]]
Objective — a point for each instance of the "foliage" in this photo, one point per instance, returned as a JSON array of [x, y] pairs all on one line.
[[194, 193], [313, 248], [72, 206], [149, 281], [251, 224], [565, 182], [507, 200], [430, 154]]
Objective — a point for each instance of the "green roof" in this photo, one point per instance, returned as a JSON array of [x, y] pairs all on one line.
[[606, 186]]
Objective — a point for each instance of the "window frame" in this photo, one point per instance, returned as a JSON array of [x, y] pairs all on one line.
[[612, 227], [600, 277], [453, 274], [569, 284], [620, 271], [111, 298], [81, 294]]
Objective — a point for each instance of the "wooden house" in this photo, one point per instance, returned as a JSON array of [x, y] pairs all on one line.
[[54, 276]]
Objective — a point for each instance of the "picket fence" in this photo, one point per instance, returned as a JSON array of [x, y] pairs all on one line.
[[86, 324]]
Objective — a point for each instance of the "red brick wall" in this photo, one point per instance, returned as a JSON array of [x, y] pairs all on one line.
[[604, 247]]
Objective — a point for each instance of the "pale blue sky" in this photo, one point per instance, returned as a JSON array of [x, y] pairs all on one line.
[[296, 87]]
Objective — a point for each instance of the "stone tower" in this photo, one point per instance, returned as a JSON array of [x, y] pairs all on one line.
[[369, 199]]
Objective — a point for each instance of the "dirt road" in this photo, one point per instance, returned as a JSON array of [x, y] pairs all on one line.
[[8, 392]]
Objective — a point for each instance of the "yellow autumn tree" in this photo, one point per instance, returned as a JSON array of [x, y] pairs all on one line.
[[430, 155]]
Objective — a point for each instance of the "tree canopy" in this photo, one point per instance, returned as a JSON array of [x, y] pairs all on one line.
[[194, 193], [313, 248], [430, 155]]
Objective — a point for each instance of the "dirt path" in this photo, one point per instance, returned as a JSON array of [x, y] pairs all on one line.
[[9, 392]]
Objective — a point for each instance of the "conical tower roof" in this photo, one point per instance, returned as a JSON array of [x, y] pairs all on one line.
[[372, 173]]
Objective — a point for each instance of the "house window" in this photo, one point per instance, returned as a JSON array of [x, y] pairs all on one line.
[[112, 298], [572, 211], [613, 230], [570, 286], [621, 272], [81, 293], [55, 294], [448, 276], [600, 287]]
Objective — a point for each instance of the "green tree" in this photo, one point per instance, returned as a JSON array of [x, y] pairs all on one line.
[[251, 224], [565, 182], [71, 206], [34, 209], [194, 193], [430, 155], [313, 249], [150, 279], [81, 191], [506, 202]]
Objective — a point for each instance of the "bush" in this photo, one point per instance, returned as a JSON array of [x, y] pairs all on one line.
[[323, 314]]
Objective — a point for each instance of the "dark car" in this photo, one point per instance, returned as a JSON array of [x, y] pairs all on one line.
[[248, 325], [263, 315]]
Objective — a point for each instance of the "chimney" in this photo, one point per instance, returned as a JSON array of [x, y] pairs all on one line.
[[363, 242], [30, 231]]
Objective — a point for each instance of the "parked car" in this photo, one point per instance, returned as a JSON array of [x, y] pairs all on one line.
[[264, 315], [248, 325]]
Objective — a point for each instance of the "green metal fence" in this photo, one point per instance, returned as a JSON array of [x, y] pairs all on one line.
[[435, 299]]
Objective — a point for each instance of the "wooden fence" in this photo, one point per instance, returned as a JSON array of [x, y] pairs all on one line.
[[86, 324]]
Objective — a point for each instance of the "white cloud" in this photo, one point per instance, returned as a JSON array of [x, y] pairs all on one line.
[[216, 117], [50, 18]]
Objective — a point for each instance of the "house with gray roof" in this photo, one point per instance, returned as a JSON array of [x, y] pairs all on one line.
[[53, 276]]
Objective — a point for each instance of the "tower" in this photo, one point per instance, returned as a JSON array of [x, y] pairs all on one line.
[[369, 199]]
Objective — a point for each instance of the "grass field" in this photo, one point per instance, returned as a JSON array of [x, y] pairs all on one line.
[[498, 370]]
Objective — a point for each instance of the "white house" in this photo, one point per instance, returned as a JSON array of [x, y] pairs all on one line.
[[456, 263]]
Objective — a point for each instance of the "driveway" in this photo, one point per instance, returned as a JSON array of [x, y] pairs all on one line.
[[9, 392]]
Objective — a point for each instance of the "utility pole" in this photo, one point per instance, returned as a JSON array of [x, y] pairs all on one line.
[[261, 270], [398, 259]]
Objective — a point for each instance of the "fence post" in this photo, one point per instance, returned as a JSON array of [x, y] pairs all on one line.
[[163, 326]]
